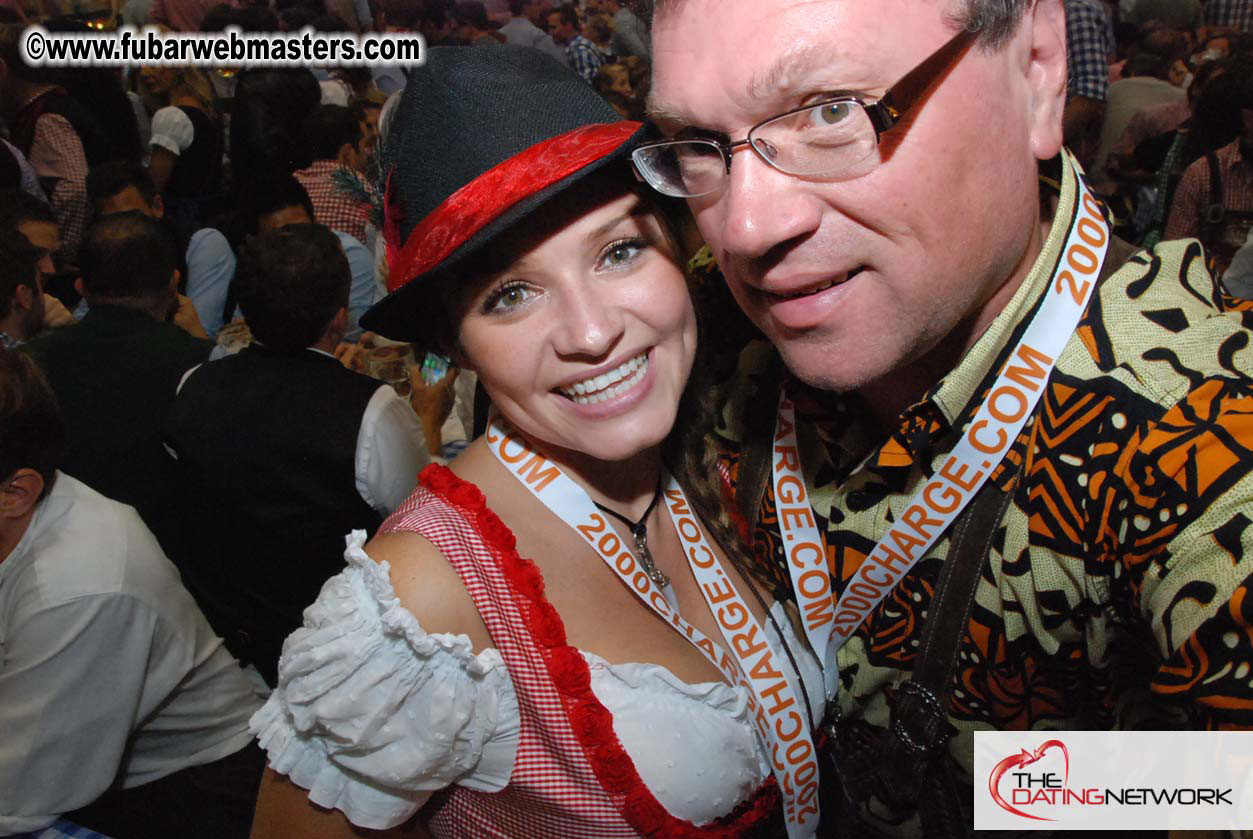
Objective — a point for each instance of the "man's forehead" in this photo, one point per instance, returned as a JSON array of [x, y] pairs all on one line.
[[41, 234], [783, 50], [126, 200]]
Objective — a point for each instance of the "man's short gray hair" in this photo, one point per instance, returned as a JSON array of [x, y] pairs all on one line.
[[995, 20]]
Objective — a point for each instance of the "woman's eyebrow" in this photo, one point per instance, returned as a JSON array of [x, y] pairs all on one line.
[[634, 211]]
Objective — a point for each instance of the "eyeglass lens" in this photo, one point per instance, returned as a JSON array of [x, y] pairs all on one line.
[[830, 140]]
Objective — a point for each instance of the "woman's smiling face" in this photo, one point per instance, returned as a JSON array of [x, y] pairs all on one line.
[[586, 340]]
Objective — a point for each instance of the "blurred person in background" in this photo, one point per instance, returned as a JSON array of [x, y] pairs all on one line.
[[116, 371], [206, 261], [186, 144], [281, 449], [582, 56], [520, 28], [58, 134], [122, 709]]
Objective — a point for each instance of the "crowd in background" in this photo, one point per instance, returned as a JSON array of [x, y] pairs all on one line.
[[1158, 100], [155, 219]]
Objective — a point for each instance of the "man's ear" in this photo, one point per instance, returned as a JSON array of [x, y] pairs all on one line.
[[20, 492], [339, 322], [174, 278], [158, 206], [78, 286], [1043, 39], [25, 296], [344, 157]]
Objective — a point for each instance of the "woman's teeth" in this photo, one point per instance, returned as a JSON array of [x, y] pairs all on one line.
[[608, 385]]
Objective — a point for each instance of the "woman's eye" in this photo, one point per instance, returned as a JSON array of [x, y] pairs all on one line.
[[621, 253], [507, 298]]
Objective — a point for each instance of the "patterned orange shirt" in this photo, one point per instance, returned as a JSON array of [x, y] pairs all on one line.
[[1116, 590]]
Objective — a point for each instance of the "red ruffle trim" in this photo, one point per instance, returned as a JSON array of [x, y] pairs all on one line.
[[591, 722]]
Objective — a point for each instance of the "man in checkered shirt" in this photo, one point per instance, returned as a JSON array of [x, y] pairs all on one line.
[[584, 57], [339, 151], [1238, 14], [1088, 43]]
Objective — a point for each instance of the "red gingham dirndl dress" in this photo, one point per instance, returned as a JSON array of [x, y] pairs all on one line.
[[571, 777]]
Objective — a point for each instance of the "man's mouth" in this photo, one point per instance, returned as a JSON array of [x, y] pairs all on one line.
[[608, 385], [816, 288]]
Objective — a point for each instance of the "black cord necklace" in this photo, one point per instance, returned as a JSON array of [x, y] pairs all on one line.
[[639, 530]]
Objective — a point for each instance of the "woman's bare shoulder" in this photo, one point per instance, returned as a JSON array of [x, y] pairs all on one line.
[[428, 586]]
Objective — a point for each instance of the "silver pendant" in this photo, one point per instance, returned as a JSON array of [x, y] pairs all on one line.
[[646, 559]]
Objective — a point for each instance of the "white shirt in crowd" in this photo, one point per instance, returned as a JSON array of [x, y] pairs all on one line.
[[108, 669]]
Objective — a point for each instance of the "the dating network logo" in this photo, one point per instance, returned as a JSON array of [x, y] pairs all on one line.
[[1049, 780], [1027, 787]]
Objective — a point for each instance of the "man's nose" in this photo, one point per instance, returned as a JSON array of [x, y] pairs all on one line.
[[763, 207]]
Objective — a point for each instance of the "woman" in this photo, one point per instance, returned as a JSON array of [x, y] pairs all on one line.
[[186, 162], [592, 689]]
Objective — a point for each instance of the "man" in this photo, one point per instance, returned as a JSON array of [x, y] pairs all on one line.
[[21, 290], [115, 372], [33, 221], [436, 24], [1237, 14], [209, 262], [281, 201], [471, 26], [121, 707], [581, 54], [1144, 85], [1174, 14], [630, 34], [337, 145], [1088, 48], [395, 16], [1214, 199], [521, 30], [180, 15], [57, 134], [894, 270], [283, 448]]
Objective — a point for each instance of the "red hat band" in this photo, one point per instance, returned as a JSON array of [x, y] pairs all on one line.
[[478, 203]]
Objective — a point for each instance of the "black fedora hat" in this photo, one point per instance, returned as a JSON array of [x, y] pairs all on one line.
[[482, 137]]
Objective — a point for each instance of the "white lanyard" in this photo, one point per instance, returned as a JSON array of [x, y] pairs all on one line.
[[984, 444], [803, 545], [780, 720]]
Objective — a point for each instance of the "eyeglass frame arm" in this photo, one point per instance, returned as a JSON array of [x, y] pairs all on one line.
[[884, 114]]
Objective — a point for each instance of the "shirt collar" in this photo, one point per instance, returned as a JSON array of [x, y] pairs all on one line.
[[48, 511], [1237, 153], [36, 93], [961, 386], [321, 167]]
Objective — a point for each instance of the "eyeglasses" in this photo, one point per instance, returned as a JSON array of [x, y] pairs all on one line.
[[835, 139]]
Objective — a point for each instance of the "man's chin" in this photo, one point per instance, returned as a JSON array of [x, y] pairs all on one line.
[[826, 369]]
